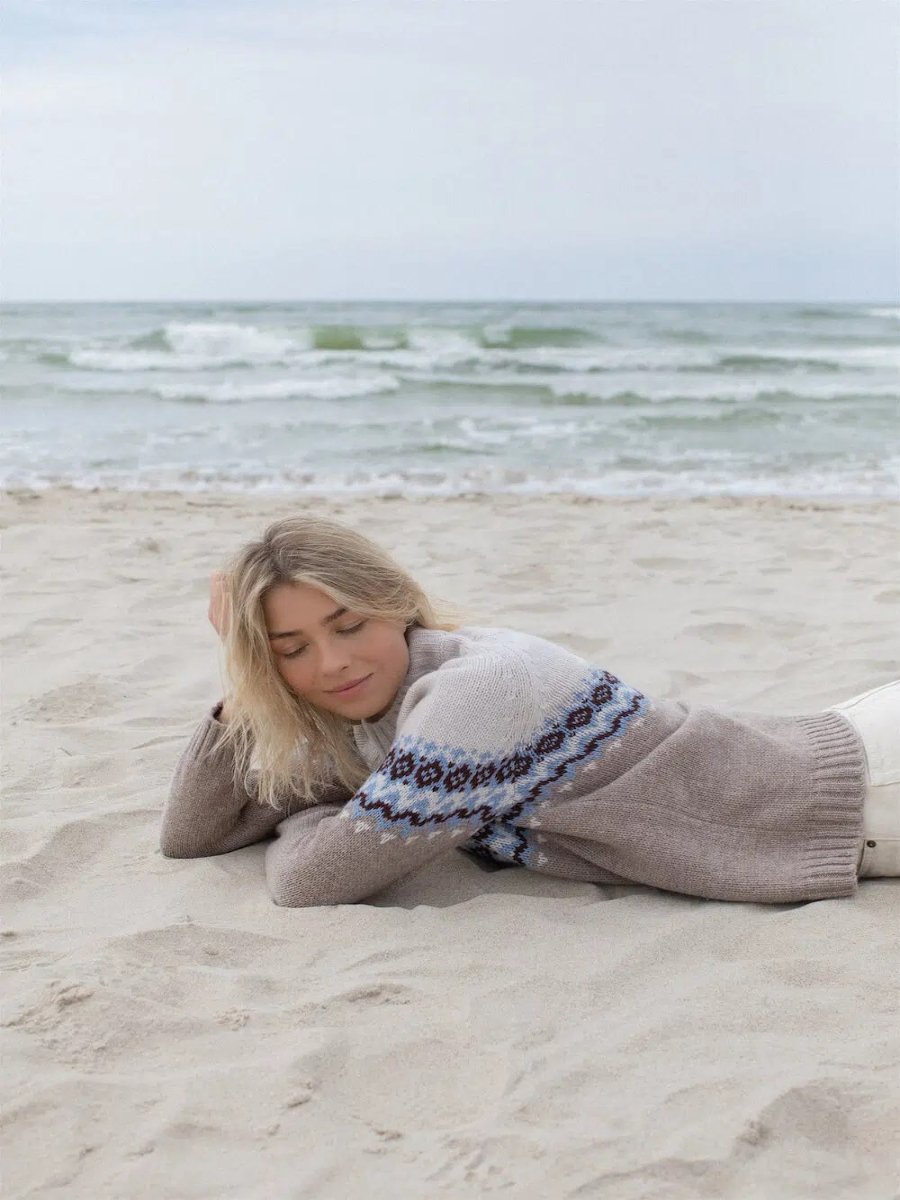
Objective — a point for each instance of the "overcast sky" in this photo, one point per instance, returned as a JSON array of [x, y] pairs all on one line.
[[458, 149]]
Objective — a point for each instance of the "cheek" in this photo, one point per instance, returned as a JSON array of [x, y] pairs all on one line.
[[286, 669]]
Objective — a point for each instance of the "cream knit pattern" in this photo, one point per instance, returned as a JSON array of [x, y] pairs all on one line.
[[510, 747]]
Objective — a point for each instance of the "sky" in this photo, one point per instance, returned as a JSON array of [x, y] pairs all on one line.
[[735, 150]]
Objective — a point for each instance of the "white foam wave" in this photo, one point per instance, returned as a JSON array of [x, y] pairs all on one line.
[[875, 356], [129, 360], [334, 387], [711, 389], [223, 340], [433, 356], [197, 345], [440, 341]]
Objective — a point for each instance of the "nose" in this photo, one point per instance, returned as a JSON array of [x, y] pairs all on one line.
[[334, 661]]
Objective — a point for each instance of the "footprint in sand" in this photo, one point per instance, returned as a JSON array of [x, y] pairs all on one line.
[[723, 631], [681, 682], [663, 562], [91, 696]]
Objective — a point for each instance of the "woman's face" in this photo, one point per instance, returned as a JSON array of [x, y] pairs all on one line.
[[319, 648]]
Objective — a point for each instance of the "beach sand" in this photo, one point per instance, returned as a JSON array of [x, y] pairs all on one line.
[[169, 1032]]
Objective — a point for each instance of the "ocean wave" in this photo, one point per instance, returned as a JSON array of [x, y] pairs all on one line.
[[525, 337], [887, 357], [768, 362], [587, 391], [435, 357], [223, 340], [351, 338], [819, 312], [209, 345], [499, 335], [840, 358], [688, 337], [329, 388], [199, 346], [562, 390], [739, 416], [54, 358], [138, 360], [191, 345], [438, 356]]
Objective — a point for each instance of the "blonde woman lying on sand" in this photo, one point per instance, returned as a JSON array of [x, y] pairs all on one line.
[[385, 735]]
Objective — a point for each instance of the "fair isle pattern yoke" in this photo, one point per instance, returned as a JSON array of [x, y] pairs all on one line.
[[423, 788]]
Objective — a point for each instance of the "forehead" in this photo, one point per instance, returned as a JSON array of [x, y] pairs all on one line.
[[300, 603]]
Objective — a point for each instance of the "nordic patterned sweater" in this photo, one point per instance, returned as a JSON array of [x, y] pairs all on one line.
[[512, 748]]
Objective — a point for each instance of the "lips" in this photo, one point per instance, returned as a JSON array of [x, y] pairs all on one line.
[[350, 686]]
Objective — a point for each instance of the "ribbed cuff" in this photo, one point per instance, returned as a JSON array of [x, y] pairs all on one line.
[[840, 783]]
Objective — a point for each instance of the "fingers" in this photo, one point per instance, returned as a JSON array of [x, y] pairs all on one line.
[[219, 602]]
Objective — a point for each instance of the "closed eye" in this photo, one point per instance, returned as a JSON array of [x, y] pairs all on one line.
[[349, 629]]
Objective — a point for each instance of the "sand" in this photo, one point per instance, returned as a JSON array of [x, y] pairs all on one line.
[[168, 1032]]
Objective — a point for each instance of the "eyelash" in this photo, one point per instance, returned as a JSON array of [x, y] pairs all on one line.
[[349, 629]]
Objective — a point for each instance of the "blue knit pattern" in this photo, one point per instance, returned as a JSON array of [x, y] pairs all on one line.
[[424, 786], [503, 842]]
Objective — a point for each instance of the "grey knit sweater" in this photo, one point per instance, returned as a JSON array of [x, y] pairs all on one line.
[[510, 747]]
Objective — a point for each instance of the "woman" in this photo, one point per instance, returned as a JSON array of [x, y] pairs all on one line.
[[386, 734]]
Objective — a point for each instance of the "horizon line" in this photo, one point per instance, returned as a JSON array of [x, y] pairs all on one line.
[[892, 301]]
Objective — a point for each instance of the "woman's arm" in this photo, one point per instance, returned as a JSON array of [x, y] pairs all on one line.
[[206, 812]]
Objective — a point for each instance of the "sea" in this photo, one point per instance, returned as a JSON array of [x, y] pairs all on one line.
[[449, 399]]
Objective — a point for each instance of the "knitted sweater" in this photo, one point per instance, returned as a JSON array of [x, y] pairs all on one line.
[[512, 748]]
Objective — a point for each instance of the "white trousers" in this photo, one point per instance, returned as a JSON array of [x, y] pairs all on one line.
[[876, 717]]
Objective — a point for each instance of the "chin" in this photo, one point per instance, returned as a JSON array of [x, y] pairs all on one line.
[[376, 709]]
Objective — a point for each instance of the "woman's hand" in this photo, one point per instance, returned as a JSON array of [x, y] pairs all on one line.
[[219, 604]]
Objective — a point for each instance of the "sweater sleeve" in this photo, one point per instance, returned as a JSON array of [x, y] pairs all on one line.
[[206, 812], [455, 765]]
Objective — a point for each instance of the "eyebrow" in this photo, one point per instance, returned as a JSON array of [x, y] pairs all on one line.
[[338, 612]]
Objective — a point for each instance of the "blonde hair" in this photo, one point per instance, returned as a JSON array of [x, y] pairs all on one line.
[[302, 750]]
